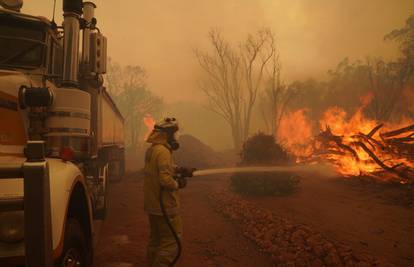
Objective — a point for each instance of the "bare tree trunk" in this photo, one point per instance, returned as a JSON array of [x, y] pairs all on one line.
[[237, 143], [233, 79], [276, 97], [256, 52]]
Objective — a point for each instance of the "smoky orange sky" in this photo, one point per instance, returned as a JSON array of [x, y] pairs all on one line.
[[313, 35]]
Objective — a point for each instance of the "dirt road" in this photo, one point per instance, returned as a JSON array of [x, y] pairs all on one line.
[[369, 218], [209, 239]]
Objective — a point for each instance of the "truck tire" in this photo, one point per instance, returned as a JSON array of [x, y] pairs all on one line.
[[75, 247]]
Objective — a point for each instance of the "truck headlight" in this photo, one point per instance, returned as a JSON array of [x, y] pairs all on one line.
[[11, 226], [35, 96]]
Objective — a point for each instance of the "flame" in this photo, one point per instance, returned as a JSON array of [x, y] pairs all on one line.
[[349, 143], [295, 132], [336, 119], [149, 123]]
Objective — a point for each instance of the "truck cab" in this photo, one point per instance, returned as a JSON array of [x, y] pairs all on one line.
[[47, 93]]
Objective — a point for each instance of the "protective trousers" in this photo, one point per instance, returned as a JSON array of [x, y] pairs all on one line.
[[162, 247]]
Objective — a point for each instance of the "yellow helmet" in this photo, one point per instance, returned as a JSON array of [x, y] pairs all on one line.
[[170, 127]]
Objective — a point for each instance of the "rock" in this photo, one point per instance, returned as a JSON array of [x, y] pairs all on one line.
[[287, 257], [289, 244], [269, 234], [363, 264], [317, 263], [319, 251], [267, 245], [297, 239], [332, 259], [314, 241], [328, 246], [349, 264]]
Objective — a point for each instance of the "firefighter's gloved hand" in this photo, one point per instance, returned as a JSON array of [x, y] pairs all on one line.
[[182, 182], [185, 172]]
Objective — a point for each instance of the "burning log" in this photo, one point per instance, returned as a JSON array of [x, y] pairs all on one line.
[[369, 137], [375, 130], [364, 154], [380, 163], [355, 145], [401, 140], [399, 131], [401, 145], [327, 137]]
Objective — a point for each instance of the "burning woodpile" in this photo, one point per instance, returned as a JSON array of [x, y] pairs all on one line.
[[355, 146], [383, 155]]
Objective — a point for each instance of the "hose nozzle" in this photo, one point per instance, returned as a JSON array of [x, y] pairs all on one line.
[[183, 172]]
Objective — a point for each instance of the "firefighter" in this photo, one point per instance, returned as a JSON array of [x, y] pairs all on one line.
[[161, 187]]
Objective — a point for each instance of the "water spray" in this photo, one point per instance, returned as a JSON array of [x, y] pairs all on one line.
[[322, 169]]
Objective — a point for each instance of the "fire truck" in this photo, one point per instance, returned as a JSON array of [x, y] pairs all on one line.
[[52, 91]]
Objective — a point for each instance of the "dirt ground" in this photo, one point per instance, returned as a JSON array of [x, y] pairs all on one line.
[[370, 218], [209, 239]]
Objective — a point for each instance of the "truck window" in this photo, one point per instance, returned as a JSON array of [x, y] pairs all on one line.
[[21, 47], [12, 130]]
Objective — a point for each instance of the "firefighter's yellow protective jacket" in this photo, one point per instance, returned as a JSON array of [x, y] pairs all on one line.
[[159, 172]]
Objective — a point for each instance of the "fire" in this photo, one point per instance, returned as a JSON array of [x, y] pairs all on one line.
[[354, 145], [336, 119], [149, 123], [295, 132]]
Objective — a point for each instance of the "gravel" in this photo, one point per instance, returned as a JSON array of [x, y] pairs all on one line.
[[288, 243]]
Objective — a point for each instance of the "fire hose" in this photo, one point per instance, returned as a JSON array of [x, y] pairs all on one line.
[[181, 173], [168, 222]]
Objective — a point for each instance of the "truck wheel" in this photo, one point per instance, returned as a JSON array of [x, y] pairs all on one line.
[[75, 247]]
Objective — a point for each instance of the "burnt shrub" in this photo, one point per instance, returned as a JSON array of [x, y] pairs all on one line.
[[262, 149], [265, 184]]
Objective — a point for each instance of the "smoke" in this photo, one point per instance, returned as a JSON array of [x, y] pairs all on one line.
[[312, 35], [409, 95]]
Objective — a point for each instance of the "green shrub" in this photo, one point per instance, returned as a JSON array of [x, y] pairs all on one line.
[[265, 184]]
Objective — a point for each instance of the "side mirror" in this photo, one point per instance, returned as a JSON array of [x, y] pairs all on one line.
[[98, 53], [35, 97]]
